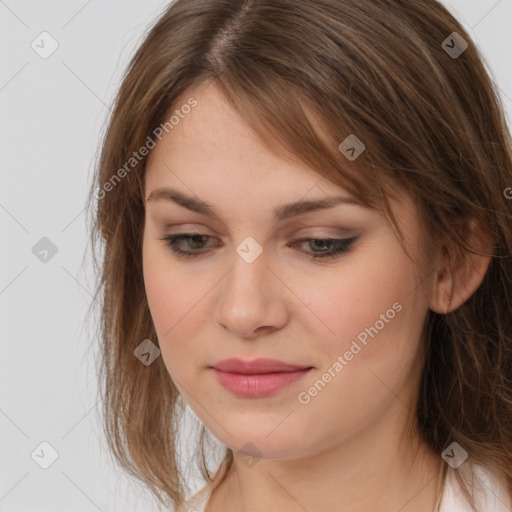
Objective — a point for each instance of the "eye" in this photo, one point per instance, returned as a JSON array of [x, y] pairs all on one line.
[[329, 247], [173, 241], [335, 246]]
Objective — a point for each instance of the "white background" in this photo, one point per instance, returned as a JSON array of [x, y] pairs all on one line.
[[52, 114]]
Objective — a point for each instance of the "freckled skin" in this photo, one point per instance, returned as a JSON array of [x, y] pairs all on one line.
[[347, 443]]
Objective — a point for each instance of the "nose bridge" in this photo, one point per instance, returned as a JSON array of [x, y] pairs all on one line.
[[249, 275], [247, 294]]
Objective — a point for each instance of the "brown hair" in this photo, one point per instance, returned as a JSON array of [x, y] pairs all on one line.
[[433, 126]]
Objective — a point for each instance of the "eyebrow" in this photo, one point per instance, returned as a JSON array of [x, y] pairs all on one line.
[[282, 212]]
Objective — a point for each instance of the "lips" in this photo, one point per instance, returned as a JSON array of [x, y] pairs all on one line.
[[258, 378], [256, 366]]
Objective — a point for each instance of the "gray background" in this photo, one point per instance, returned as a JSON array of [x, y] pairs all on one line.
[[52, 114]]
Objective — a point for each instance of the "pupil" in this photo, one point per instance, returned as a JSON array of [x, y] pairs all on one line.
[[320, 243], [196, 238]]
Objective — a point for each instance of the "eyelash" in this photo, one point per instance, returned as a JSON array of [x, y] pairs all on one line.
[[341, 246]]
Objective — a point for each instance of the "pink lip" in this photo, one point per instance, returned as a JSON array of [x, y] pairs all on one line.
[[257, 378]]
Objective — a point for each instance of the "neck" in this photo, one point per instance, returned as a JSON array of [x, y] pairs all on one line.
[[370, 473]]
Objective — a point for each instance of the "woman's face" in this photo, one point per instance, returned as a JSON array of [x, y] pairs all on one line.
[[253, 290]]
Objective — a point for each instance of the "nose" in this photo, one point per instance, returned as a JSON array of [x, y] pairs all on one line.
[[252, 299]]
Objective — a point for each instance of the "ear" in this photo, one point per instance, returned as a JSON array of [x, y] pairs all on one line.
[[459, 272]]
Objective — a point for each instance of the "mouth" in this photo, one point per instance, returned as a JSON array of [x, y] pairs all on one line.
[[257, 366], [256, 379]]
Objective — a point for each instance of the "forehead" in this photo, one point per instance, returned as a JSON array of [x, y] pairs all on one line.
[[213, 138], [212, 150]]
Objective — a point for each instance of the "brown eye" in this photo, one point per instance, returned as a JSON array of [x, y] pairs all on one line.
[[335, 246], [197, 242]]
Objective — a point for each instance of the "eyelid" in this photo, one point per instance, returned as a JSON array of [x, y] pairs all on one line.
[[289, 231], [327, 232], [315, 219]]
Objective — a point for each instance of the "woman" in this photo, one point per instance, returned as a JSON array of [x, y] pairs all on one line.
[[307, 238]]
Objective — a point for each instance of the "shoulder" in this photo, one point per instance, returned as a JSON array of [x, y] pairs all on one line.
[[489, 491], [196, 503]]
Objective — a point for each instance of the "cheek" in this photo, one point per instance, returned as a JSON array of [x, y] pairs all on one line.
[[368, 364], [171, 300], [369, 333], [370, 330], [157, 279], [376, 287], [171, 293]]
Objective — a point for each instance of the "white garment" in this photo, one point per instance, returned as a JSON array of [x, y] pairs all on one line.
[[490, 495], [491, 498]]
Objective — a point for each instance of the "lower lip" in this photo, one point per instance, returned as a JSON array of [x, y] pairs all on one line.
[[259, 384]]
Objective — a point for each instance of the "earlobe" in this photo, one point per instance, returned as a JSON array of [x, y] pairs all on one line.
[[460, 273]]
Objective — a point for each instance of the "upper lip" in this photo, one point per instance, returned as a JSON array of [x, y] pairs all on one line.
[[262, 365]]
